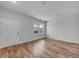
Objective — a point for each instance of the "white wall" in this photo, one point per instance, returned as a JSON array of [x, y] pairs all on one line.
[[65, 26], [25, 28]]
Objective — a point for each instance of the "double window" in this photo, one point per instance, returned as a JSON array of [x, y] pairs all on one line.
[[38, 28]]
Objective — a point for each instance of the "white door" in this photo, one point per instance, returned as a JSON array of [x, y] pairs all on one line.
[[0, 29], [10, 34]]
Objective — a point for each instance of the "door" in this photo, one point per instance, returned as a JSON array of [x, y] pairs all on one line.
[[9, 32]]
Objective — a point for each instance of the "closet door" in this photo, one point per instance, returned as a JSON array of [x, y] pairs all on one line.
[[9, 32], [0, 29]]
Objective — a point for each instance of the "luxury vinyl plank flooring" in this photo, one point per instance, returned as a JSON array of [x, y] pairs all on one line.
[[44, 48]]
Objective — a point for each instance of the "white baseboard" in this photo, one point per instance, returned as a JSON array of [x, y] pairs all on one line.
[[56, 38]]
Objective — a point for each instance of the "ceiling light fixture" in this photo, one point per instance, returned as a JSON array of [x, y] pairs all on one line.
[[14, 1]]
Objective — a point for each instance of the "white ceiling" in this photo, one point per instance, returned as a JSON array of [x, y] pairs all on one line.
[[41, 11]]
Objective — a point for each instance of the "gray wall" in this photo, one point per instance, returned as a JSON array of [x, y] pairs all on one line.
[[64, 26], [24, 25]]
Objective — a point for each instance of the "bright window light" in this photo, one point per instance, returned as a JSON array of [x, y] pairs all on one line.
[[35, 25], [42, 26]]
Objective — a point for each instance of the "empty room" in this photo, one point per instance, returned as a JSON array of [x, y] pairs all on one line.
[[39, 29]]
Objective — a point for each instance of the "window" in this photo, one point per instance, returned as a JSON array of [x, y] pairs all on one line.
[[38, 28], [35, 28], [41, 29]]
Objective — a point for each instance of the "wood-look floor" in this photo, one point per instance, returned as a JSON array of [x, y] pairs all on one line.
[[44, 48]]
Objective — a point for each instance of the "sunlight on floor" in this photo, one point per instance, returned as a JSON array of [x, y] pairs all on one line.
[[39, 48]]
